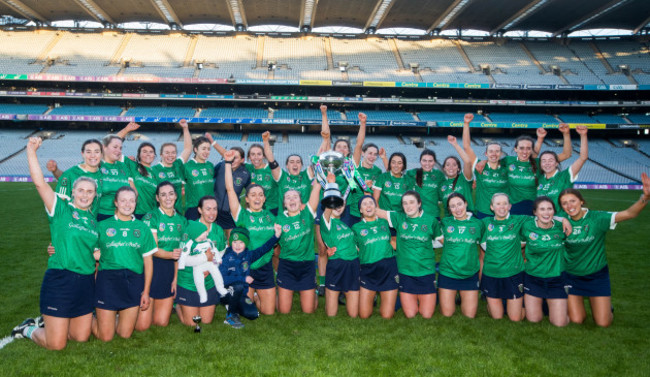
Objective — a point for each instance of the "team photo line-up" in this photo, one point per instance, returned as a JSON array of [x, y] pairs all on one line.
[[133, 241]]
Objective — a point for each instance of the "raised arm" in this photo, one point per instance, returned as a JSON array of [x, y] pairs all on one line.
[[361, 138], [130, 127], [314, 196], [567, 148], [640, 204], [467, 163], [327, 212], [233, 199], [467, 140], [187, 140], [541, 135], [276, 171], [216, 145], [35, 171], [325, 133], [384, 159], [584, 150]]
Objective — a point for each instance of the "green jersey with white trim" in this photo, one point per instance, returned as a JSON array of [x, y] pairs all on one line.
[[368, 175], [74, 237], [199, 181], [66, 181], [460, 255], [489, 182], [430, 190], [297, 241], [123, 244], [521, 179], [463, 186], [585, 245], [544, 249], [552, 187], [113, 177], [300, 183], [502, 245], [174, 175], [415, 255], [193, 231], [168, 229], [392, 188], [264, 178], [336, 233], [146, 186], [260, 225], [373, 240]]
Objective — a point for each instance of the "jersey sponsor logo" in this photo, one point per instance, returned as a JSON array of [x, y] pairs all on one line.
[[75, 215], [450, 229], [286, 228], [148, 216], [533, 236], [252, 218], [490, 227], [253, 175], [472, 230], [388, 184], [238, 181], [512, 167], [111, 232], [364, 232], [443, 188], [424, 227], [338, 227], [397, 185], [104, 171], [195, 173], [136, 233], [161, 175], [161, 227], [540, 186], [405, 226]]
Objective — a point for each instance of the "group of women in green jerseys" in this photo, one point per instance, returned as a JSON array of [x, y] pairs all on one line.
[[526, 237]]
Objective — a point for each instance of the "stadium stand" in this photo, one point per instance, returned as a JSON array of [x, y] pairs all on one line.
[[161, 111], [573, 69], [12, 108], [86, 110], [235, 112]]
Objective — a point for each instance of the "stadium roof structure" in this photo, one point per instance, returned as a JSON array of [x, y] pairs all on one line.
[[494, 16]]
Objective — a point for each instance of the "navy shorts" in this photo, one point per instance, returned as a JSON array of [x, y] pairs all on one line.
[[102, 217], [418, 285], [354, 220], [296, 275], [274, 211], [342, 275], [553, 287], [192, 213], [592, 285], [469, 284], [263, 277], [67, 294], [118, 289], [139, 216], [163, 275], [509, 288], [186, 297], [525, 207], [379, 276], [480, 215], [224, 220]]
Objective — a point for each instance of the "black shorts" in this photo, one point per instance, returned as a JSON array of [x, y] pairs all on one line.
[[296, 275], [102, 217], [379, 276], [468, 284], [553, 287], [161, 281], [263, 277], [508, 288], [186, 297], [224, 220], [192, 213], [118, 289], [525, 207], [67, 294], [418, 285], [592, 285], [342, 275]]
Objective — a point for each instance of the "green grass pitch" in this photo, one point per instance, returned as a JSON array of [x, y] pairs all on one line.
[[314, 345]]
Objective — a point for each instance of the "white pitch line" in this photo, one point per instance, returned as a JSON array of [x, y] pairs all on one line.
[[6, 340]]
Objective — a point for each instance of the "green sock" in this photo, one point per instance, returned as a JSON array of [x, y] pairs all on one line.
[[321, 280], [28, 331]]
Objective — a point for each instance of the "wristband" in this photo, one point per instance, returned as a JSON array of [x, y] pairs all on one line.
[[273, 164], [213, 143], [643, 200], [228, 162]]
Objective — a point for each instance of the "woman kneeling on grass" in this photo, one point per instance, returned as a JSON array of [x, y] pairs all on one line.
[[68, 287], [586, 261], [125, 269]]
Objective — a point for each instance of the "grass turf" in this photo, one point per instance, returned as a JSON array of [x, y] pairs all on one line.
[[300, 344]]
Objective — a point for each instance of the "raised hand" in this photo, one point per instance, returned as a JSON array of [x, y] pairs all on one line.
[[183, 123], [132, 126], [452, 139], [34, 143], [382, 152], [323, 108], [266, 136], [363, 117], [541, 132], [582, 130], [209, 137], [229, 155], [468, 117], [278, 229], [564, 128]]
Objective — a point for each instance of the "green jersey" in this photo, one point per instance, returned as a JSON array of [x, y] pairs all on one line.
[[544, 249], [460, 256], [297, 242], [199, 181], [552, 187], [66, 181], [585, 245], [264, 178], [415, 256], [489, 182], [392, 188], [74, 237], [123, 244], [373, 240], [146, 186], [502, 244], [368, 175], [260, 225], [336, 234], [174, 175], [430, 190], [300, 183], [193, 231], [113, 177], [168, 229], [462, 186], [521, 179]]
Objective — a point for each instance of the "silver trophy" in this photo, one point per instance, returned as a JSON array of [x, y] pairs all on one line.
[[325, 163], [197, 321]]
